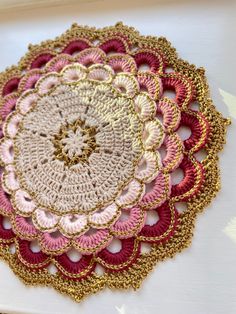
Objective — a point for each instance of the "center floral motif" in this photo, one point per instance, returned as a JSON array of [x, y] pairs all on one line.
[[75, 143], [89, 146]]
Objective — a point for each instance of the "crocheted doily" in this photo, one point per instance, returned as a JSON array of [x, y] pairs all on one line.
[[90, 143]]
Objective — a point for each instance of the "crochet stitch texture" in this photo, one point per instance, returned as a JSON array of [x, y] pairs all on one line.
[[89, 144]]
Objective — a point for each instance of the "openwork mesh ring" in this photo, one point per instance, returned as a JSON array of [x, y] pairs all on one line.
[[90, 143]]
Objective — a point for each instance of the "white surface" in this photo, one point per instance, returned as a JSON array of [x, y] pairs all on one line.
[[23, 4], [201, 280]]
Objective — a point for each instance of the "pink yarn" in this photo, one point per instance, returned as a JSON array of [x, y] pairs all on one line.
[[57, 63], [125, 229], [41, 60], [53, 244], [31, 81], [150, 84], [173, 156], [171, 114], [11, 86], [119, 63], [113, 45], [158, 193], [8, 106], [5, 203], [88, 242], [91, 56], [75, 46], [24, 227]]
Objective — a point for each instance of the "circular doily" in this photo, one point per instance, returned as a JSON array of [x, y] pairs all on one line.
[[94, 151]]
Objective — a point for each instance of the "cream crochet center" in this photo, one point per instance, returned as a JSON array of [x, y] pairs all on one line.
[[74, 143], [110, 164]]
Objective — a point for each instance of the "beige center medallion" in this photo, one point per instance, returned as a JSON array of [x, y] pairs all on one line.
[[79, 146]]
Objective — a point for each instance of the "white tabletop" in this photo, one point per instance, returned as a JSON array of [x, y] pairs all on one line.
[[202, 279]]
